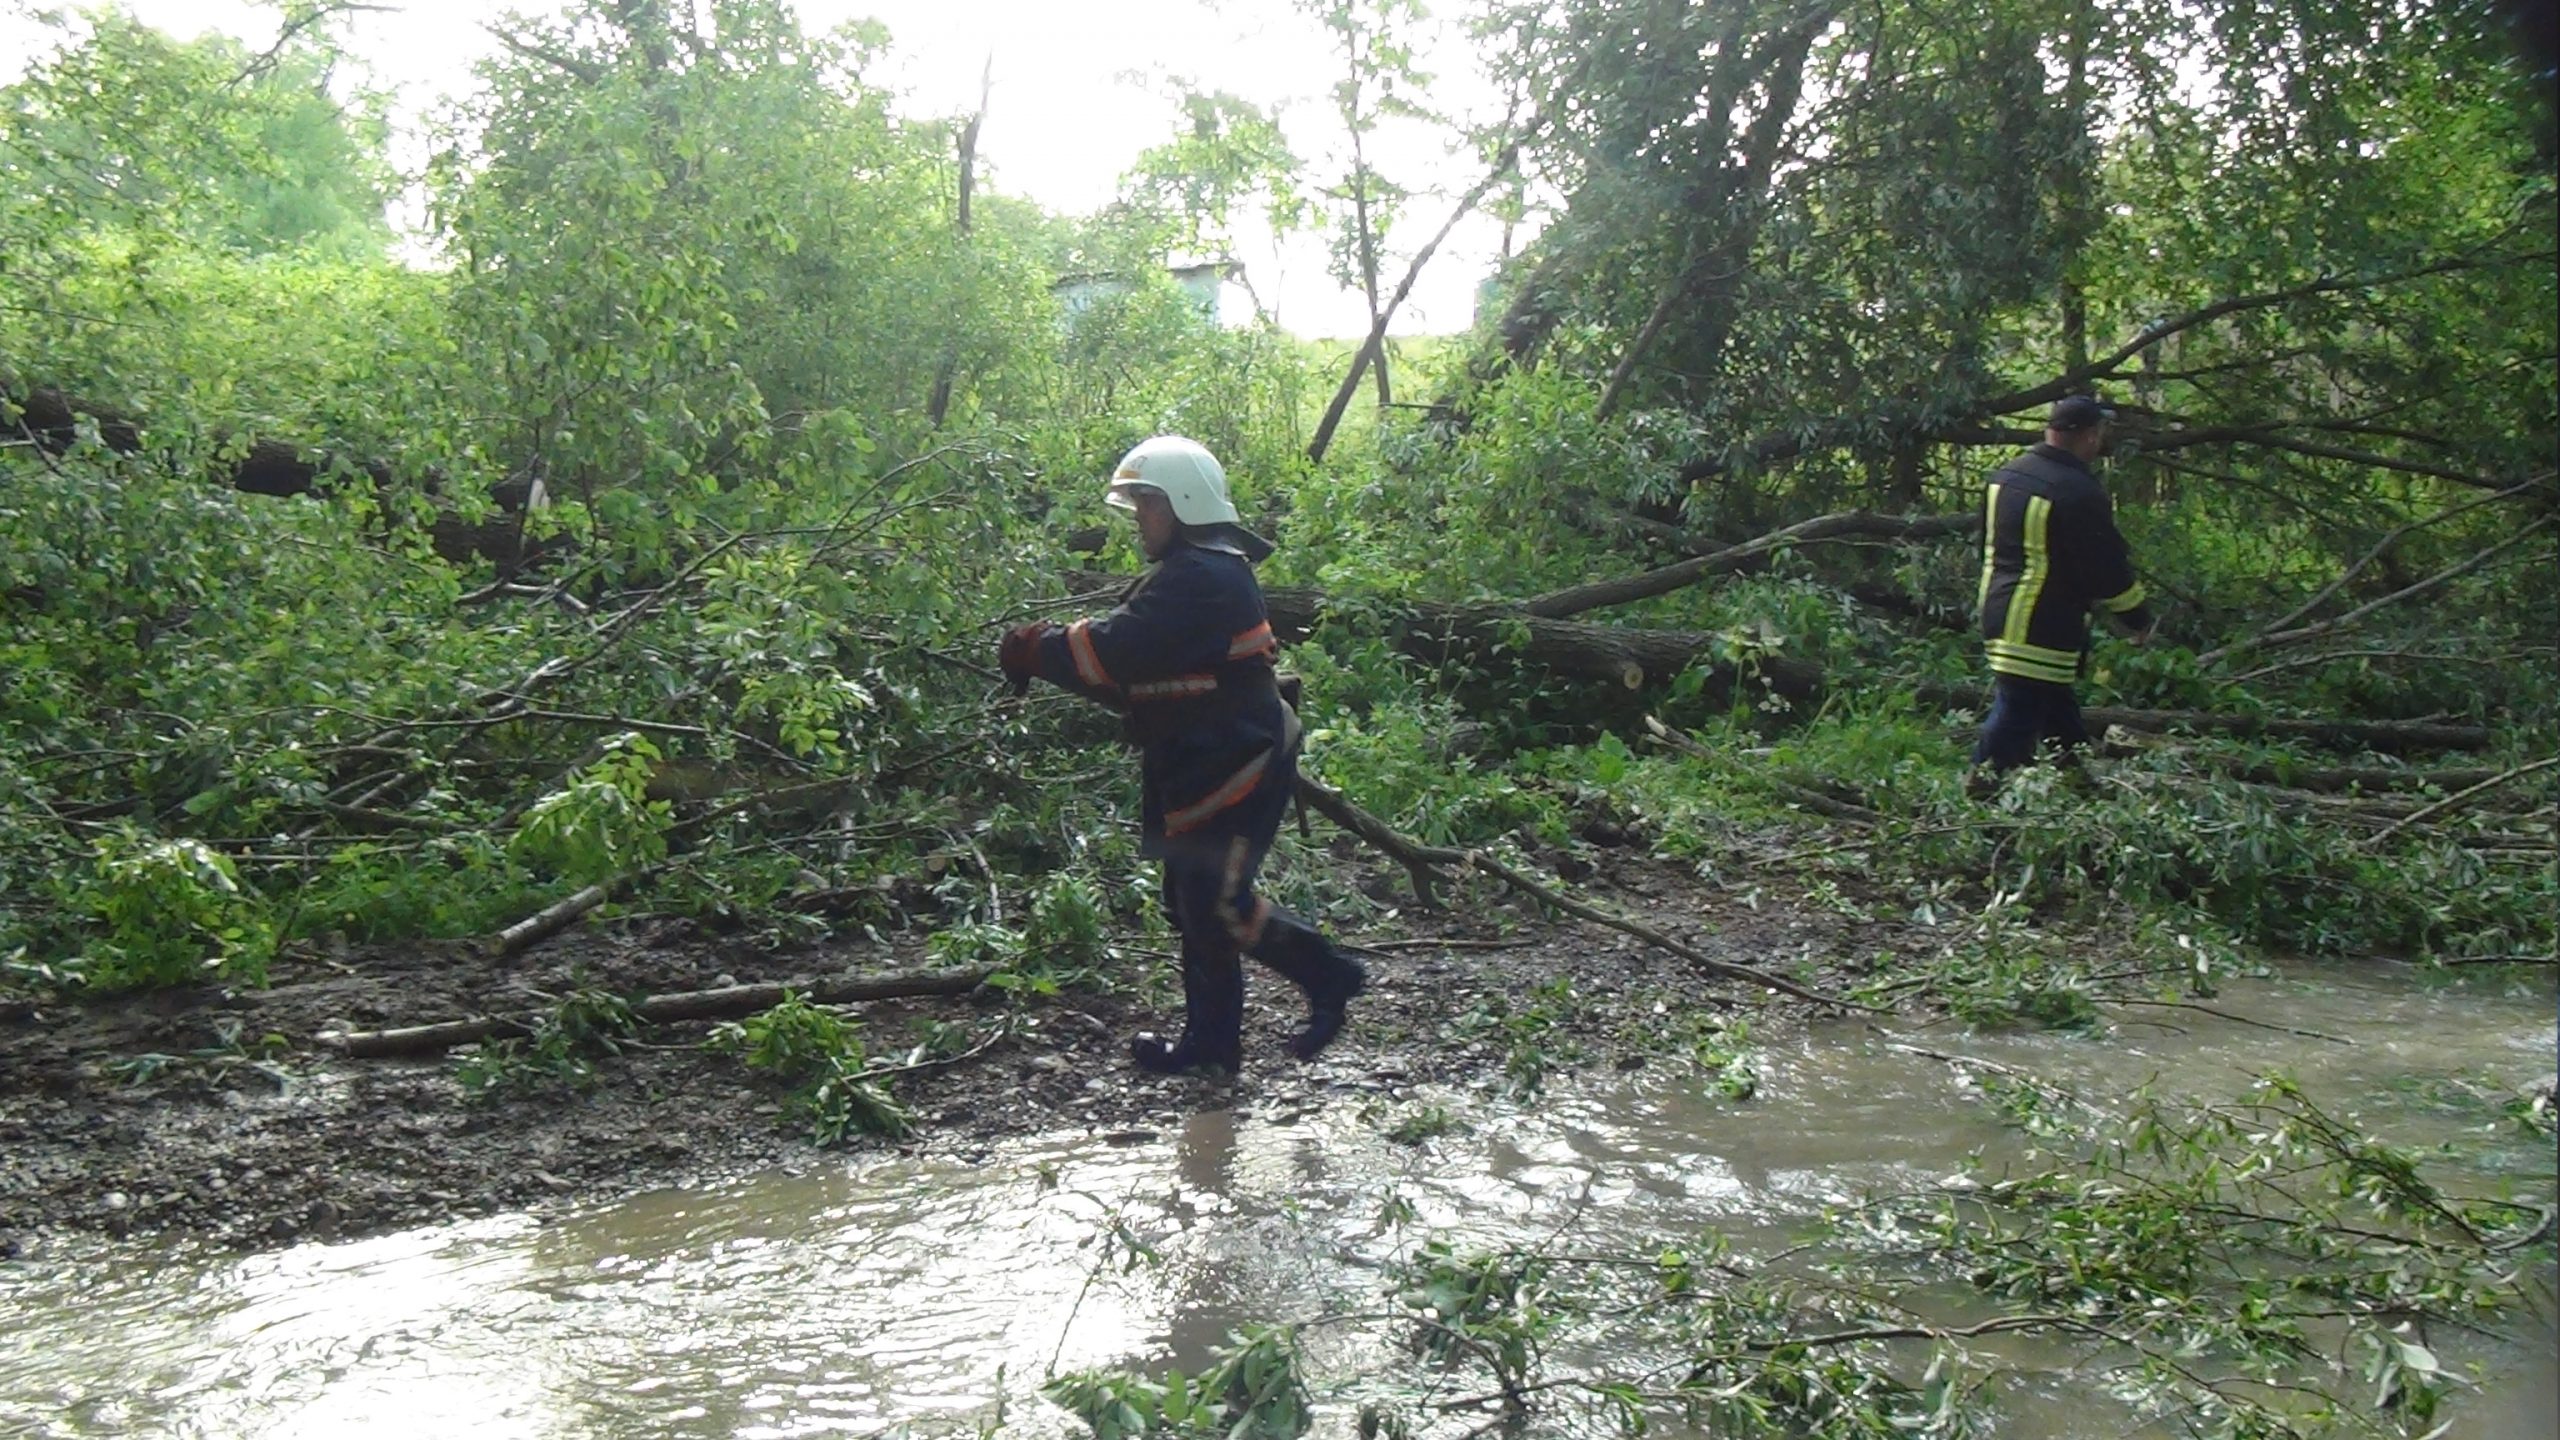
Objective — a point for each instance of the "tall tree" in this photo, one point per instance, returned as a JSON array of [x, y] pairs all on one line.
[[2307, 234], [1378, 81], [128, 137]]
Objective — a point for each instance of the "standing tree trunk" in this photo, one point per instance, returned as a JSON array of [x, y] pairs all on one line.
[[1672, 295], [947, 371], [1374, 347], [1744, 201], [2071, 189], [1368, 244]]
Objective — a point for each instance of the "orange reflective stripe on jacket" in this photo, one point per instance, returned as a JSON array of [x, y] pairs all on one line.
[[1088, 664], [1237, 786], [1256, 641]]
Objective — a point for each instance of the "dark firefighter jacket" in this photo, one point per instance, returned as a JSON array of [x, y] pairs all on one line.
[[2050, 551], [1188, 655]]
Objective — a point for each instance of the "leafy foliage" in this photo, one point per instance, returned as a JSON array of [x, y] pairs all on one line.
[[1251, 1392], [701, 273], [815, 1051], [586, 1025], [168, 912]]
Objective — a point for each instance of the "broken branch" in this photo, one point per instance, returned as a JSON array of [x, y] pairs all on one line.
[[2458, 798], [1420, 859], [669, 1009]]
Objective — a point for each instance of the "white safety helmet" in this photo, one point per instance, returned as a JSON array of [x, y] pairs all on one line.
[[1191, 478]]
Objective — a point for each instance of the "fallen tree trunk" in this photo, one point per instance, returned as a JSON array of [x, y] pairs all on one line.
[[53, 421], [721, 1004], [2341, 779], [2385, 735], [2382, 735], [1624, 658], [2276, 639], [1810, 799], [2455, 800], [1628, 658]]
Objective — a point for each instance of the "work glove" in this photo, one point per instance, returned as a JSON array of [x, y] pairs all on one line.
[[1019, 653]]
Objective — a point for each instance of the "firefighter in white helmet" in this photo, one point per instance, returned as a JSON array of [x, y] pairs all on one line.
[[1188, 657]]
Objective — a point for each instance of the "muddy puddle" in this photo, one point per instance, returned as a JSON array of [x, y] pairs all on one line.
[[930, 1296]]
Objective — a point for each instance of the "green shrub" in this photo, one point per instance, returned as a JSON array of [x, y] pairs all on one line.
[[816, 1051], [168, 912]]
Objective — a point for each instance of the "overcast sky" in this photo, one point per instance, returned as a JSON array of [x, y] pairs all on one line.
[[1079, 90]]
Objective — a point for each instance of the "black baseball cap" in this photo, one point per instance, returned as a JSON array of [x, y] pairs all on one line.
[[2077, 412]]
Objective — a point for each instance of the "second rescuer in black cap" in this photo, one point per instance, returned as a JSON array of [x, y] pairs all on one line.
[[2050, 553]]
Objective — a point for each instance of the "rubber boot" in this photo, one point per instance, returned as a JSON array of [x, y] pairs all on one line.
[[1301, 954], [1212, 1017]]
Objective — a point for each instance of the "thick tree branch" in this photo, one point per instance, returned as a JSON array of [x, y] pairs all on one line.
[[2156, 441], [1419, 858], [1672, 294], [1573, 600], [316, 15], [585, 71], [1770, 449], [2272, 437], [668, 1009], [2074, 380], [2381, 548], [2457, 799]]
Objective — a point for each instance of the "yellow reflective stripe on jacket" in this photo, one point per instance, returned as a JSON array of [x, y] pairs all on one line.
[[2039, 548], [2033, 662], [1990, 542], [2118, 604]]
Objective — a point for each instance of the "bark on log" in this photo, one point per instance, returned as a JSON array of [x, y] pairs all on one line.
[[1622, 658], [2383, 735], [721, 1004], [52, 419]]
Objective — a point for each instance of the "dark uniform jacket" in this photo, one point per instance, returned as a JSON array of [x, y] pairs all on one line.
[[1188, 654], [2050, 551]]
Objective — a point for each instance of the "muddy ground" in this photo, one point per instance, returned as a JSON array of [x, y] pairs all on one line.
[[143, 1116]]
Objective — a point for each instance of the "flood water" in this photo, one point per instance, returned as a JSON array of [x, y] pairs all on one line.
[[930, 1296]]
